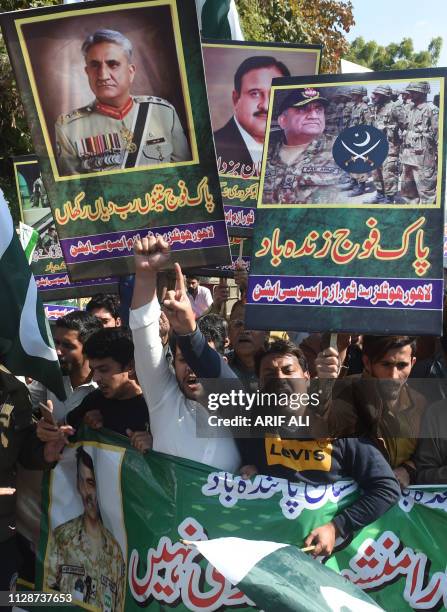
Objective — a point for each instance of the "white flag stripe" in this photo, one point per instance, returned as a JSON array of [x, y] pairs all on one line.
[[7, 227], [29, 333], [235, 557], [339, 601]]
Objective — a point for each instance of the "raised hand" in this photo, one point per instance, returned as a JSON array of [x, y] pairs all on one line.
[[150, 255], [178, 307]]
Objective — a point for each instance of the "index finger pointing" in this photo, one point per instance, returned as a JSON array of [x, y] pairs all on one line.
[[179, 279]]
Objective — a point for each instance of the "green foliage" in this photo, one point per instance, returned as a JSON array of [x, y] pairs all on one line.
[[300, 21], [395, 56]]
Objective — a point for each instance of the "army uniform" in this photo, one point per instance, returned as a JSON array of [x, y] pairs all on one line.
[[332, 118], [420, 150], [146, 132], [93, 574], [390, 119], [360, 115], [312, 178], [347, 113]]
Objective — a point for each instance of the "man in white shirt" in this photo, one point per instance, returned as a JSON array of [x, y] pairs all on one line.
[[171, 397], [241, 140], [200, 297]]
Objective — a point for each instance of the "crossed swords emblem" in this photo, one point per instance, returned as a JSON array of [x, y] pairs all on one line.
[[364, 156]]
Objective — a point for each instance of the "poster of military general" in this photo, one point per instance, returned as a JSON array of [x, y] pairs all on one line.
[[48, 264], [350, 211], [238, 78], [142, 506], [116, 103]]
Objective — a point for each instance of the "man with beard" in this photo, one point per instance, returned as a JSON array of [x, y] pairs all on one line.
[[83, 557], [70, 333], [199, 296], [239, 142], [283, 452], [171, 396], [379, 403]]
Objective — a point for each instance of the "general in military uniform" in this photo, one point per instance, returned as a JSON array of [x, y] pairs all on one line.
[[83, 557], [117, 130], [420, 149], [300, 169]]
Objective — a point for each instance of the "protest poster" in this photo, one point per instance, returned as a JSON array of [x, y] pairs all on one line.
[[238, 78], [350, 212], [399, 560], [48, 264], [121, 128], [240, 250]]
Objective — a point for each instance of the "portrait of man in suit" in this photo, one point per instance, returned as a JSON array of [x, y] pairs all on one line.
[[240, 141]]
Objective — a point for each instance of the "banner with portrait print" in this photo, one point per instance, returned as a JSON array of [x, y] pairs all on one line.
[[350, 218], [238, 79], [48, 264], [116, 102], [141, 507]]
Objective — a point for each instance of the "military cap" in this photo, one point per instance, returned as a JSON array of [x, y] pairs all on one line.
[[301, 98], [359, 91], [421, 86], [385, 90]]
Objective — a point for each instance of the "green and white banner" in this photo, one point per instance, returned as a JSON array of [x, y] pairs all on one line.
[[27, 346], [113, 527]]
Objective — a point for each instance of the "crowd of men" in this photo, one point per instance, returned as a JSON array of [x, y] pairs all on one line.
[[370, 423], [300, 164]]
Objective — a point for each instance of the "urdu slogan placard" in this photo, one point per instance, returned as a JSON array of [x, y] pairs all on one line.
[[350, 216], [116, 102]]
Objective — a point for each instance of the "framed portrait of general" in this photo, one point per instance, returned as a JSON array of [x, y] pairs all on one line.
[[239, 77], [115, 97]]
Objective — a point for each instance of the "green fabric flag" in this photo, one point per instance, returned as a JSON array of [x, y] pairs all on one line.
[[281, 577], [26, 338], [28, 239], [215, 22]]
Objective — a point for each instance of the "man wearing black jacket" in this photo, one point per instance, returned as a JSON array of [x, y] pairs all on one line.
[[18, 444], [282, 367]]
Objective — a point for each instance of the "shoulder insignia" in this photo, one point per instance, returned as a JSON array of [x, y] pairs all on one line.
[[74, 114], [153, 100]]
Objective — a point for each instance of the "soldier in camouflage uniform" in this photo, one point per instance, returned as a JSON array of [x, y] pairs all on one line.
[[117, 130], [360, 115], [83, 558], [420, 150], [391, 120], [300, 169]]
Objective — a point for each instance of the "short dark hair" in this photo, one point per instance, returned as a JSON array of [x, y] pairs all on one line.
[[82, 322], [281, 347], [213, 327], [108, 301], [113, 342], [254, 63], [83, 457], [376, 347]]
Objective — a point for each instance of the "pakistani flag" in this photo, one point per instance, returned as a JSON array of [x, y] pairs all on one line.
[[219, 19], [28, 239], [25, 337], [281, 577]]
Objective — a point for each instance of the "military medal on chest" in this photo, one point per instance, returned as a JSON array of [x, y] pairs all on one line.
[[127, 136]]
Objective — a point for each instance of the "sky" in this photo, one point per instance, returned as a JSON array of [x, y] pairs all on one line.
[[387, 21]]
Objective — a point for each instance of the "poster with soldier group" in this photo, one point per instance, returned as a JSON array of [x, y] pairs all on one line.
[[48, 264], [238, 77], [350, 211], [116, 102]]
